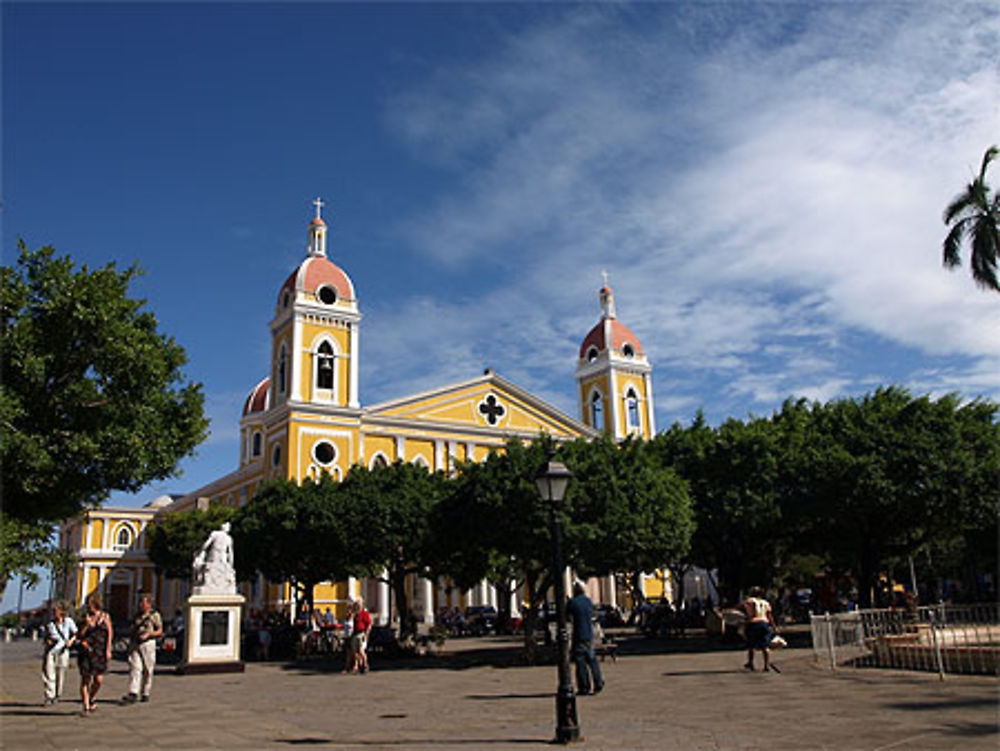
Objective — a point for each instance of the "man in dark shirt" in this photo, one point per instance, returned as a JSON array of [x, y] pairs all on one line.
[[581, 610]]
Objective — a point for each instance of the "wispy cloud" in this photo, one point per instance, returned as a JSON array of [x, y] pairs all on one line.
[[768, 203]]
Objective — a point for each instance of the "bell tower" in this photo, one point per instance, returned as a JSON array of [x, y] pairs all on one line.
[[315, 331], [614, 377]]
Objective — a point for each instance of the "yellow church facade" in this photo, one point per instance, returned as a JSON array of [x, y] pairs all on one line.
[[305, 419]]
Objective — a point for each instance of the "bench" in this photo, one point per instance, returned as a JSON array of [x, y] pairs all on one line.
[[607, 649]]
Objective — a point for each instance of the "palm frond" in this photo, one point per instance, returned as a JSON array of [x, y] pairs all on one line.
[[989, 156], [953, 243], [960, 203], [985, 247]]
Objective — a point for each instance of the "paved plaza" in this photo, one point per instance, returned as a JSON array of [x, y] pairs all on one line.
[[692, 698]]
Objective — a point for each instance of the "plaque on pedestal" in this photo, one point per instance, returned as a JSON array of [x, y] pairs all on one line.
[[212, 634]]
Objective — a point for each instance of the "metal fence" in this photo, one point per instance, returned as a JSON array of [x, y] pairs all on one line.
[[939, 638]]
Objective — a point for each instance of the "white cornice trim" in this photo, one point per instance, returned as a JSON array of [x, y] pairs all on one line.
[[491, 379]]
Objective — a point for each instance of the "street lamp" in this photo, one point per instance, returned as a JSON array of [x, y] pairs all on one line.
[[552, 480]]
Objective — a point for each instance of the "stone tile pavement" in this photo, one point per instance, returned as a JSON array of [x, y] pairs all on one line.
[[692, 701]]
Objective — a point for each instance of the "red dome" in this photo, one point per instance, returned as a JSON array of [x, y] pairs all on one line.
[[619, 333], [257, 398], [313, 273]]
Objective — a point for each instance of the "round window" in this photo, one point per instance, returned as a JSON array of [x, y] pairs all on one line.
[[324, 453], [327, 294]]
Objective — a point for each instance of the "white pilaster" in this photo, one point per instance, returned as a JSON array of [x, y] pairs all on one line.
[[383, 601], [650, 411], [615, 404], [439, 454], [352, 392], [401, 448], [83, 585], [612, 599], [515, 604], [352, 588], [428, 602], [297, 361]]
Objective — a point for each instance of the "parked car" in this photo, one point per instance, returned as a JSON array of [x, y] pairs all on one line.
[[481, 619]]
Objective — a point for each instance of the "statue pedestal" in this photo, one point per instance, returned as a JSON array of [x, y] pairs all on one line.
[[212, 634]]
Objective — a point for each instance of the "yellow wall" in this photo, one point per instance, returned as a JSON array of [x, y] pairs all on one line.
[[637, 383], [97, 533], [415, 448], [603, 384], [92, 582], [378, 444], [311, 335]]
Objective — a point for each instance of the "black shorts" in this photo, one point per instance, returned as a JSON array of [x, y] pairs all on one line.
[[758, 634]]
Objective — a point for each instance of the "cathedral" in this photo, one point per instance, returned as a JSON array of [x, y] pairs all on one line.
[[305, 418]]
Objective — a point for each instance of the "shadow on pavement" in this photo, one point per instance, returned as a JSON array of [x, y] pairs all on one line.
[[433, 742], [683, 673], [491, 697], [29, 709], [920, 706], [971, 729]]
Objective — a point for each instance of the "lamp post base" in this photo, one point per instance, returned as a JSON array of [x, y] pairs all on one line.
[[567, 724]]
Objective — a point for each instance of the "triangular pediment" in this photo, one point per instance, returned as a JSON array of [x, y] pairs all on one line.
[[487, 404]]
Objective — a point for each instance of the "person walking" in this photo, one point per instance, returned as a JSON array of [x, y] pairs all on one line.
[[60, 634], [95, 652], [349, 656], [147, 626], [760, 628], [581, 610], [362, 629]]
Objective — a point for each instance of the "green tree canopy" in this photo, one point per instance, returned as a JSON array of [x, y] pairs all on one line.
[[92, 398], [733, 477], [492, 523], [893, 474], [633, 515], [386, 513], [295, 533], [25, 547]]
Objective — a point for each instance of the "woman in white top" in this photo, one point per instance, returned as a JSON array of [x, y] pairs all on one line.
[[760, 628], [60, 633]]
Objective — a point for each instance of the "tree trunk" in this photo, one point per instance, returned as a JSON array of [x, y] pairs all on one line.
[[635, 589], [680, 592], [402, 602], [536, 588], [867, 573]]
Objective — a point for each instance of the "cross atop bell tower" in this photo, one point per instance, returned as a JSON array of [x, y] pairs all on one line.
[[317, 231]]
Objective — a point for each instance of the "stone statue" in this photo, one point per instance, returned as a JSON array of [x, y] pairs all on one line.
[[212, 568]]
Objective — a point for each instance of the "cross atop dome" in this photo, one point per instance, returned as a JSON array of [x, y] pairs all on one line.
[[605, 275], [318, 203]]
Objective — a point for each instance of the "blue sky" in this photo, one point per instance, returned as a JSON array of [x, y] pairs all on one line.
[[763, 182]]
